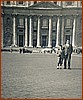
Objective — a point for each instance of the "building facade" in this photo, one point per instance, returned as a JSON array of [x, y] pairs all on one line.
[[41, 24]]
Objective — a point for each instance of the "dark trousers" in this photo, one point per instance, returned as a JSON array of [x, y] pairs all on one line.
[[60, 61], [67, 60]]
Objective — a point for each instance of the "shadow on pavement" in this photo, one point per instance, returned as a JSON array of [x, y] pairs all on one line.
[[76, 68]]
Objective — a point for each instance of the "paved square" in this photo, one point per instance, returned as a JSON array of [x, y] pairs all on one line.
[[36, 76]]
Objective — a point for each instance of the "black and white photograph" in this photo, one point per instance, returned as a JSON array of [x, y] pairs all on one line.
[[41, 49]]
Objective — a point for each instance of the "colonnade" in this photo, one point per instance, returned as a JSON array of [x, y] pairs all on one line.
[[38, 32]]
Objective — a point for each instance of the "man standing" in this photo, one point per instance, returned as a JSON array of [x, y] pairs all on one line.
[[68, 52]]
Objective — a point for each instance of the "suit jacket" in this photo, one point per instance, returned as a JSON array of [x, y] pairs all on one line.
[[68, 49]]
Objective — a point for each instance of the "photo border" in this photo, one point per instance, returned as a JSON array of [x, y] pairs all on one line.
[[1, 58]]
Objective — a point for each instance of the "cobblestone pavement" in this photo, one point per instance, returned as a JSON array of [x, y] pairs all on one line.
[[36, 76]]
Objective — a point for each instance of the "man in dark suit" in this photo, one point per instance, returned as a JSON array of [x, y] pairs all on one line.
[[68, 52]]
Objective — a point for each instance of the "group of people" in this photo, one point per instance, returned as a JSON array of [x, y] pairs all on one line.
[[22, 50], [64, 55]]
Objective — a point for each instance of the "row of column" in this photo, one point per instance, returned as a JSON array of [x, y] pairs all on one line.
[[38, 32], [15, 3]]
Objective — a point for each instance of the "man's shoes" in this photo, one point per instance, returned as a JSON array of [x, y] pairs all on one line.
[[69, 68], [64, 68]]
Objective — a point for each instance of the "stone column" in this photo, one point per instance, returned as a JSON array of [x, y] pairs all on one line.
[[76, 3], [38, 33], [14, 31], [49, 35], [30, 33], [59, 3], [26, 3], [79, 3], [26, 32], [58, 31], [73, 38], [62, 35], [32, 2], [13, 3]]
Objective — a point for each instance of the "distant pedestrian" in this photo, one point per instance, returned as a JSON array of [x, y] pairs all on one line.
[[68, 52], [11, 49], [23, 50], [20, 50], [60, 57]]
